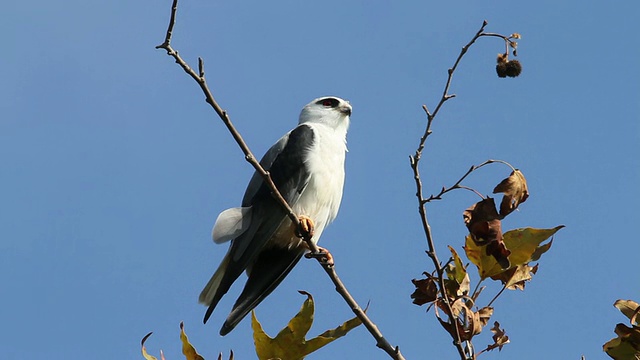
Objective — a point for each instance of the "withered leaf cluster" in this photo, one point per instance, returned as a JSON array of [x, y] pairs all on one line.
[[503, 257], [469, 322], [484, 221], [627, 344], [456, 287]]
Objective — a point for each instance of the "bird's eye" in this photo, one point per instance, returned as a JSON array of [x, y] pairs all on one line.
[[330, 102]]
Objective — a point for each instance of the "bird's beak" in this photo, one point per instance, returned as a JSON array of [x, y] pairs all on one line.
[[346, 109]]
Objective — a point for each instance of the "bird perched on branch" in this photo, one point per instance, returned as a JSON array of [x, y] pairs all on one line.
[[307, 167]]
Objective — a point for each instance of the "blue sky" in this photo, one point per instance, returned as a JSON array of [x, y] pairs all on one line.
[[113, 169]]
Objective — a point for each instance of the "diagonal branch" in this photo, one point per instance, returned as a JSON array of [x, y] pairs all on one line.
[[199, 77]]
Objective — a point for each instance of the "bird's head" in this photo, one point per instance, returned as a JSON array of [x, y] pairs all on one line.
[[329, 110]]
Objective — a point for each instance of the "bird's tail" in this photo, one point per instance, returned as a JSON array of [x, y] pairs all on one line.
[[212, 292], [271, 267]]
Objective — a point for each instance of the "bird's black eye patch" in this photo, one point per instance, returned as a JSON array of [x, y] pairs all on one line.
[[329, 102]]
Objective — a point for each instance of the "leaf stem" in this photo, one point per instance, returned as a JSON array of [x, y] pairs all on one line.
[[497, 295]]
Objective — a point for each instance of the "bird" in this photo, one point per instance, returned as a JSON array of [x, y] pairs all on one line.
[[307, 165]]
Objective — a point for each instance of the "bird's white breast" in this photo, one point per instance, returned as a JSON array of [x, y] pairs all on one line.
[[325, 160]]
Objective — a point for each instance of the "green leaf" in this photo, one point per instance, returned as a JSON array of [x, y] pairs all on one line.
[[524, 245], [290, 343]]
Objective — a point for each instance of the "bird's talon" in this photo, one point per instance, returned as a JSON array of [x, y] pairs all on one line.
[[306, 228], [323, 255]]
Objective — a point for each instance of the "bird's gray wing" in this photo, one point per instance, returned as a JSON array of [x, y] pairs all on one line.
[[266, 162], [231, 223], [290, 174]]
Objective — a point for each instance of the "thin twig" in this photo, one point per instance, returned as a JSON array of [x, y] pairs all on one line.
[[199, 77], [474, 293], [445, 93], [498, 294], [414, 160], [457, 185]]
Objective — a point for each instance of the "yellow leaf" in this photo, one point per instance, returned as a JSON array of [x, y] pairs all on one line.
[[516, 277], [290, 343], [620, 350], [187, 349], [626, 345], [524, 245], [458, 281], [144, 349]]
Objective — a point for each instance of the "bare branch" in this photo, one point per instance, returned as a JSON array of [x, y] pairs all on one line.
[[458, 183], [199, 77], [415, 159], [414, 162]]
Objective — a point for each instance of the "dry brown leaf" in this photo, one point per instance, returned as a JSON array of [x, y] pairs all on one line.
[[483, 221], [499, 337], [464, 318], [469, 322], [627, 344], [481, 318], [485, 314], [426, 290], [516, 277], [630, 334], [461, 314], [630, 309], [515, 192]]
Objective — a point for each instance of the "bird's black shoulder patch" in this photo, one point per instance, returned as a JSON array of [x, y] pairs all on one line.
[[289, 171]]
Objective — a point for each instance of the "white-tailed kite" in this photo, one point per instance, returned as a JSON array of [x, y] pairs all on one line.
[[307, 166]]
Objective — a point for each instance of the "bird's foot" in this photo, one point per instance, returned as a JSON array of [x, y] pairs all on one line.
[[306, 227], [323, 255]]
